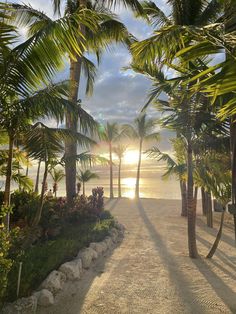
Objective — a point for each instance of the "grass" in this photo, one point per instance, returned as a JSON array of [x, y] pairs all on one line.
[[39, 260]]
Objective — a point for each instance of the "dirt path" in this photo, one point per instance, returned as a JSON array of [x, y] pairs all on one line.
[[150, 271]]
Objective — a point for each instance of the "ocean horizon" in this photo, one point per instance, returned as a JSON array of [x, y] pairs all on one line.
[[151, 183]]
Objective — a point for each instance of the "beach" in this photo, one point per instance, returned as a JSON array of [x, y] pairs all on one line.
[[150, 271]]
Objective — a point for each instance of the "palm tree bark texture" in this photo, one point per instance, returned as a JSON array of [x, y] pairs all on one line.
[[71, 123]]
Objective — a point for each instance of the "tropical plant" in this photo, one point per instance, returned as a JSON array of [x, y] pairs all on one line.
[[85, 176], [142, 130], [119, 151], [95, 27], [57, 175], [177, 168], [109, 134], [46, 144]]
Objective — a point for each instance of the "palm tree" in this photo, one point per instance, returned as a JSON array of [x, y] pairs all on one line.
[[47, 144], [57, 175], [119, 151], [174, 168], [110, 134], [85, 176], [143, 130], [94, 30], [48, 102]]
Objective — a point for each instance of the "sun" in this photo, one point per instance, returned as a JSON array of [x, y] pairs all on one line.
[[131, 157]]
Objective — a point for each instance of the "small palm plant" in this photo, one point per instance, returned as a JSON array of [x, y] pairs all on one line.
[[119, 151], [85, 176], [57, 175], [47, 144], [174, 167]]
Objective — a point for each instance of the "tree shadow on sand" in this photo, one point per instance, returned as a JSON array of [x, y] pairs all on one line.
[[176, 275], [183, 285]]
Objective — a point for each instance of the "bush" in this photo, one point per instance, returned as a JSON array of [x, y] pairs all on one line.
[[7, 240], [39, 260]]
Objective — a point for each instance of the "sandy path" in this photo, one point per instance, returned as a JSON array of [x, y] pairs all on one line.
[[150, 271]]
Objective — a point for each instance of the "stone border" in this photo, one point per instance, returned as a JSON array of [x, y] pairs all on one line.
[[69, 271]]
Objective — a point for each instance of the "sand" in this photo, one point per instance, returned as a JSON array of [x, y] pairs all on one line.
[[150, 271]]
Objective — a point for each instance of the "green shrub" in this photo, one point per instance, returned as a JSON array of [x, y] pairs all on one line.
[[39, 260]]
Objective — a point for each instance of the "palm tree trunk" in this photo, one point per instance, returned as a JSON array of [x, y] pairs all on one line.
[[183, 189], [83, 188], [36, 189], [138, 170], [209, 210], [111, 171], [119, 179], [195, 197], [233, 163], [203, 201], [218, 237], [71, 123], [192, 244], [7, 192], [40, 209]]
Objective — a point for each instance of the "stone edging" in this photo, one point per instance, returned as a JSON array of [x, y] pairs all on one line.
[[68, 271]]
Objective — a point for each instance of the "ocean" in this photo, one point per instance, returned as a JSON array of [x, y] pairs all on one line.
[[151, 183]]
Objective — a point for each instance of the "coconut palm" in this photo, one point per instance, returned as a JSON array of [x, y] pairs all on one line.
[[85, 176], [119, 151], [177, 168], [163, 43], [142, 130], [57, 175], [110, 134], [105, 30]]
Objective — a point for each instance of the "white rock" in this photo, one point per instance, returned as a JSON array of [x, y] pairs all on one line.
[[108, 242], [104, 246], [54, 281], [72, 269], [22, 306], [114, 235], [87, 255], [45, 297], [98, 247]]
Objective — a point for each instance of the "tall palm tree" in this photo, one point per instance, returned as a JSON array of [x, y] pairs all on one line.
[[142, 130], [85, 176], [105, 29], [110, 134], [119, 151], [57, 175]]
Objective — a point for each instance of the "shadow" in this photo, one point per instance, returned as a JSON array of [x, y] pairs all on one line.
[[113, 202], [225, 238], [219, 253], [226, 294], [176, 275], [71, 299]]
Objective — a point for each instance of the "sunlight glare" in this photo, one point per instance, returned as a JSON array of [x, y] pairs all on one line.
[[129, 187], [131, 157]]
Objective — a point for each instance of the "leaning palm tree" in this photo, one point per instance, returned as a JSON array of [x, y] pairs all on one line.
[[143, 130], [57, 175], [110, 133], [119, 151], [85, 176]]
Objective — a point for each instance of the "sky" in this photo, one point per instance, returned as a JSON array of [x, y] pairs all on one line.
[[118, 95]]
